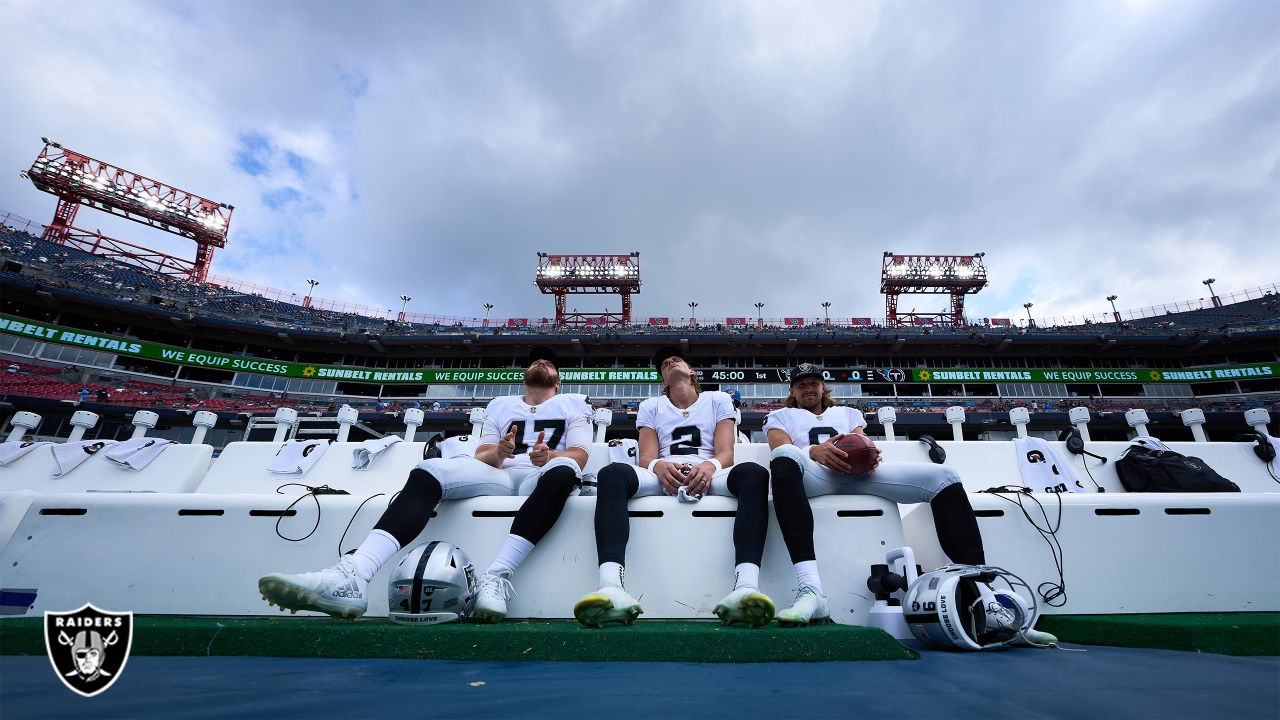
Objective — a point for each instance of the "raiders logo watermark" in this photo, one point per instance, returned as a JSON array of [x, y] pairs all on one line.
[[88, 648]]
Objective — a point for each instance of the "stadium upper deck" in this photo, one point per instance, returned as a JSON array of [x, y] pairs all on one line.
[[263, 345]]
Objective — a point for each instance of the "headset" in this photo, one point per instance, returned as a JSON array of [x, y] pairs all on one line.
[[936, 453], [1263, 448], [1075, 446], [1265, 451], [1075, 443]]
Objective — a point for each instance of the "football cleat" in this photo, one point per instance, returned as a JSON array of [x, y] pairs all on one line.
[[491, 597], [337, 591], [810, 608], [747, 606], [607, 606], [1036, 638]]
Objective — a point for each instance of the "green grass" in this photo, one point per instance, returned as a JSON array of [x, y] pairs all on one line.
[[652, 641], [1224, 633]]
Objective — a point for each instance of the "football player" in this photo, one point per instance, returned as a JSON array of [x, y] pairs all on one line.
[[686, 440], [805, 463], [533, 444]]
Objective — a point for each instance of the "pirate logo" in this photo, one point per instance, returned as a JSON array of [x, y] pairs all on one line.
[[88, 648]]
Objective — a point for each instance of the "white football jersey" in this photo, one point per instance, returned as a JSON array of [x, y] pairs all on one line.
[[565, 419], [805, 429], [686, 432]]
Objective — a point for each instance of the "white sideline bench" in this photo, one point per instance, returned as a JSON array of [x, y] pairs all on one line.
[[1132, 552], [1125, 552], [180, 468], [202, 554]]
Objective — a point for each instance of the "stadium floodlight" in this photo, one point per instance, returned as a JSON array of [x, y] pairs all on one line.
[[1030, 322], [560, 275], [487, 308], [759, 311], [1114, 313], [406, 300], [1217, 301], [306, 301], [77, 179], [826, 306], [955, 275]]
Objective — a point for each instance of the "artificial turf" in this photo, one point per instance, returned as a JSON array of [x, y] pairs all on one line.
[[1224, 633], [646, 641]]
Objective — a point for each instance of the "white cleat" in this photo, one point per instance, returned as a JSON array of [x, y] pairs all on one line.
[[1036, 638], [607, 606], [492, 596], [337, 591], [810, 608], [747, 606]]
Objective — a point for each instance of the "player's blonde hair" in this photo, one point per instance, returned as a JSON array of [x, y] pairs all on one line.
[[826, 399]]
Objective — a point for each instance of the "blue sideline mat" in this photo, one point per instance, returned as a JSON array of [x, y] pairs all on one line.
[[1100, 683]]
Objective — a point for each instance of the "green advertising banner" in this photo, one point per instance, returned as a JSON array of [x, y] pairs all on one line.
[[45, 332], [1131, 375], [10, 325]]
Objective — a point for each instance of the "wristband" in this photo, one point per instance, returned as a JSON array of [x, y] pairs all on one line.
[[715, 462], [654, 464]]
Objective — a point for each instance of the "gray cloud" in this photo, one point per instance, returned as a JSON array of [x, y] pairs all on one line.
[[753, 151]]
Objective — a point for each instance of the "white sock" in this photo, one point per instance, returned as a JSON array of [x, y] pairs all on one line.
[[373, 553], [807, 574], [611, 575], [746, 575], [510, 556]]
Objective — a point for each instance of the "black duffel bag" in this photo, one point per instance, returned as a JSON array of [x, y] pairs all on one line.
[[1142, 469]]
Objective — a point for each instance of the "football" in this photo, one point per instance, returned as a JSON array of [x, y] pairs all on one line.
[[862, 453]]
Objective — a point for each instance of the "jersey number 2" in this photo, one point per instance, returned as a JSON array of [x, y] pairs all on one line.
[[686, 440]]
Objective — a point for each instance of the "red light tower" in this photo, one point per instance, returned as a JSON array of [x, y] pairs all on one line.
[[560, 275], [78, 179], [955, 275]]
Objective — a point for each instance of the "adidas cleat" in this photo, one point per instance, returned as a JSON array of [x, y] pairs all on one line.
[[337, 591], [746, 606], [607, 606], [491, 598], [810, 608]]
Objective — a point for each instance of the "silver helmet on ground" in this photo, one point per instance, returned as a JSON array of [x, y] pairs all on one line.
[[434, 583], [944, 608]]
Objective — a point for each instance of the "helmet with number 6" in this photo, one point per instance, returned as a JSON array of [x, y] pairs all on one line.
[[434, 583], [943, 608]]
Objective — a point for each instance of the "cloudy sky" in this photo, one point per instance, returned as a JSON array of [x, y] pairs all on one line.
[[750, 151]]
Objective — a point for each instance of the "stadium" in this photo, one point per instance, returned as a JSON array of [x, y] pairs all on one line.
[[275, 502]]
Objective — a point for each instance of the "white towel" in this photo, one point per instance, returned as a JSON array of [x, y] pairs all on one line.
[[137, 453], [368, 452], [297, 456], [10, 451], [624, 450], [1150, 443], [459, 446], [1043, 467], [68, 456]]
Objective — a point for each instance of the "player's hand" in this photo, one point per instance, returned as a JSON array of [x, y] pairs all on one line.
[[506, 447], [540, 454], [831, 456], [669, 476], [699, 478], [875, 463]]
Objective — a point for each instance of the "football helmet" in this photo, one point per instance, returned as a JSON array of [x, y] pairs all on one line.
[[943, 608], [434, 583]]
